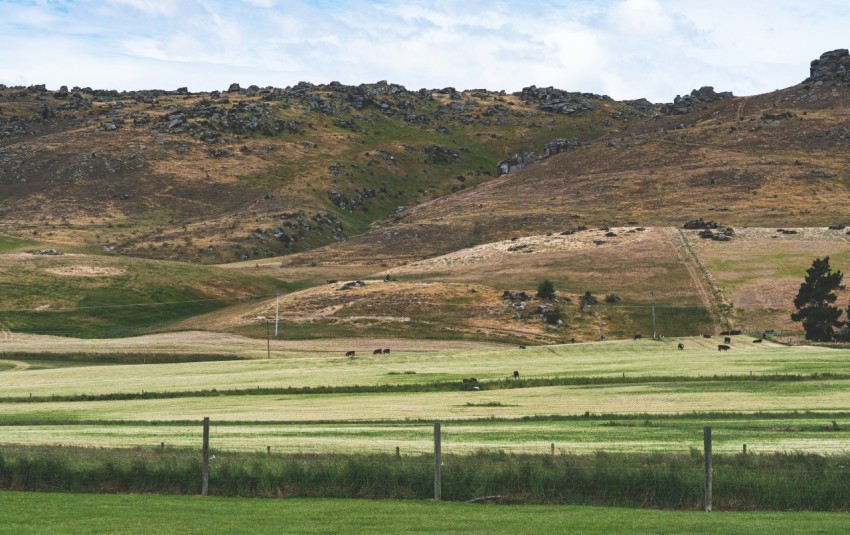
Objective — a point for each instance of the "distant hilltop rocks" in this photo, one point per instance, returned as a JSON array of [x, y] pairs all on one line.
[[693, 102], [559, 101], [834, 65]]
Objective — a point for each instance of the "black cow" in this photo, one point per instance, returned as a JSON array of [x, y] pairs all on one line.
[[681, 346], [522, 347], [377, 352], [386, 352], [706, 336], [757, 341], [515, 375], [349, 353], [470, 380], [723, 347], [637, 337], [572, 340], [727, 340]]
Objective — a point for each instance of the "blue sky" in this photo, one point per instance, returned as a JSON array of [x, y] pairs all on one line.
[[624, 48]]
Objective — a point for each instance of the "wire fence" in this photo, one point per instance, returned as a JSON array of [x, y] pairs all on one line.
[[421, 461]]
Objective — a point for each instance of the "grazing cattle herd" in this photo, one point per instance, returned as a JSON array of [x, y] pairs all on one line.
[[725, 346], [351, 353]]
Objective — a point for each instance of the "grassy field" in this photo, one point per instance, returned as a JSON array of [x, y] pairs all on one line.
[[98, 297], [618, 396], [762, 271], [824, 433], [35, 513], [309, 364]]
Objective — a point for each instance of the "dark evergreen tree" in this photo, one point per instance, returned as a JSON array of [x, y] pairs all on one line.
[[546, 290], [814, 301]]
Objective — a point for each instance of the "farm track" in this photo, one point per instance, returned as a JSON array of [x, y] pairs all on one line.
[[707, 291]]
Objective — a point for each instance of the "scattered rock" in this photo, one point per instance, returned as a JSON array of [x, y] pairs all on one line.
[[352, 284], [441, 155]]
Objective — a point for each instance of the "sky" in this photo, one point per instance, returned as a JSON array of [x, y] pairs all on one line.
[[626, 49]]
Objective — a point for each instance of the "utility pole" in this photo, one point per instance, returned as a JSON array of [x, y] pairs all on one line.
[[599, 315], [652, 297], [276, 313], [268, 341]]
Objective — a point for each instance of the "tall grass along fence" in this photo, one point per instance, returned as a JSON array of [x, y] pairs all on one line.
[[691, 480]]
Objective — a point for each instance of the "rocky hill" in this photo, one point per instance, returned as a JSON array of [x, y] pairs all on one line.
[[775, 160], [254, 172], [381, 171], [430, 213]]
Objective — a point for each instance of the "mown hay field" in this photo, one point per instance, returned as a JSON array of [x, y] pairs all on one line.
[[317, 365], [612, 396]]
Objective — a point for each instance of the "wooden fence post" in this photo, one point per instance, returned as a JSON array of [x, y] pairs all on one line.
[[552, 448], [706, 435], [398, 452], [438, 464], [205, 487]]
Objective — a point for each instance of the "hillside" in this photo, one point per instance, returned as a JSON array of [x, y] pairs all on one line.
[[437, 201], [257, 172], [775, 160]]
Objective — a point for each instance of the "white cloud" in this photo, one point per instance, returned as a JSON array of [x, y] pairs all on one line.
[[151, 7], [624, 48]]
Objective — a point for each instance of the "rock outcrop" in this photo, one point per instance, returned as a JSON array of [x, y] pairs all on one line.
[[559, 101], [518, 161], [833, 65], [695, 101]]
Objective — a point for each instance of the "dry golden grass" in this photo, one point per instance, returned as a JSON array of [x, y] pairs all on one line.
[[761, 271]]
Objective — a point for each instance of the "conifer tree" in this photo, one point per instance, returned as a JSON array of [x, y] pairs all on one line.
[[814, 301]]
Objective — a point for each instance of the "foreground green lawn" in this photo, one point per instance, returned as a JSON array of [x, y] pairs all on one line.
[[25, 513]]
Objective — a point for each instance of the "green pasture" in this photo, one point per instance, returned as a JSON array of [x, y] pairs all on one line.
[[614, 396], [98, 296], [764, 259], [50, 513], [804, 432], [8, 244], [644, 398], [298, 366]]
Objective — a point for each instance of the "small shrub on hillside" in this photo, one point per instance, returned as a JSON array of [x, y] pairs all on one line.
[[546, 290], [587, 300]]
